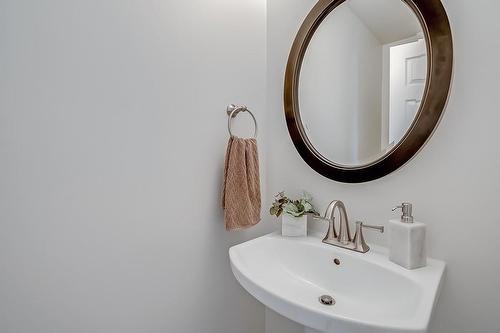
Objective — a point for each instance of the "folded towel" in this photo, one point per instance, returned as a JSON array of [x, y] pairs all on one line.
[[241, 189]]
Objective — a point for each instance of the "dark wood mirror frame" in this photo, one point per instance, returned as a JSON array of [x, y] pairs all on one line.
[[437, 32]]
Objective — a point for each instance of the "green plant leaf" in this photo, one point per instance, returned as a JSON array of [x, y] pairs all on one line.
[[283, 204]]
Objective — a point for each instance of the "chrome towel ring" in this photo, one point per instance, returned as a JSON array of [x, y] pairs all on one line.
[[233, 110]]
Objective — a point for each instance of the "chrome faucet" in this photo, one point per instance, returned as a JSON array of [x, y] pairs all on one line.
[[343, 238]]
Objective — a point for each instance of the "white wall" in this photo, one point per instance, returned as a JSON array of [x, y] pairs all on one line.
[[112, 135], [454, 182]]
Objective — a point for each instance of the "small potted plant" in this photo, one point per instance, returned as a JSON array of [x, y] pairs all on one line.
[[294, 213]]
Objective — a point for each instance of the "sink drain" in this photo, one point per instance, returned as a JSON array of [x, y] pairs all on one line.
[[327, 300]]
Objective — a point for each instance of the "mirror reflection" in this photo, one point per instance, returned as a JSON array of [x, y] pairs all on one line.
[[362, 80]]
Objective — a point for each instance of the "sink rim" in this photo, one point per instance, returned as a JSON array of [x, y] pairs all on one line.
[[428, 280]]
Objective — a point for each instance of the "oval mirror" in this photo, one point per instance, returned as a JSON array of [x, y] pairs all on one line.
[[366, 83]]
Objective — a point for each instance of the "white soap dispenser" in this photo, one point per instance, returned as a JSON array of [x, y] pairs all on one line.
[[407, 240]]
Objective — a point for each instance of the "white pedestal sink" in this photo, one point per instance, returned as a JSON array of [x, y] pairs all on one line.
[[372, 295]]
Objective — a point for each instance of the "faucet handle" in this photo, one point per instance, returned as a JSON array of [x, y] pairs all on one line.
[[359, 241], [320, 218], [379, 228], [331, 233]]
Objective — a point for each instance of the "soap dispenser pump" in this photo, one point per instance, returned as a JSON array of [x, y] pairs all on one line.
[[407, 209], [407, 239]]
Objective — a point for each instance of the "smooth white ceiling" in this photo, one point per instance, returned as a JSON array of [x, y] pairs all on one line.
[[388, 20]]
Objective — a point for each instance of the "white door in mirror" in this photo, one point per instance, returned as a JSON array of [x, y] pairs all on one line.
[[408, 71]]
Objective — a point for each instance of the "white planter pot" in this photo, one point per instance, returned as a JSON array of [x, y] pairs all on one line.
[[294, 226]]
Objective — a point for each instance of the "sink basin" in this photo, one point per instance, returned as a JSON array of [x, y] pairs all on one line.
[[372, 294]]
